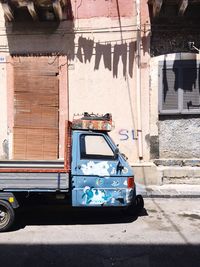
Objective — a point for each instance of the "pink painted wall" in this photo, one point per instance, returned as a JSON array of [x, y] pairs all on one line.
[[145, 28], [145, 19], [10, 93], [84, 9], [63, 102]]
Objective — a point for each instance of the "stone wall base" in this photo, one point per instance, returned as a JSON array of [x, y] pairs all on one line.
[[168, 172]]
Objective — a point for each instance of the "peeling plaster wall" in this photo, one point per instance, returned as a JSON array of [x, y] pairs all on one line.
[[179, 137]]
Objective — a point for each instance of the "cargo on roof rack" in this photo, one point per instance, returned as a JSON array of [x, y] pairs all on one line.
[[92, 121]]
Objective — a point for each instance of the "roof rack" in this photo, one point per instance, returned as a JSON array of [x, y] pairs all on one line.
[[92, 121]]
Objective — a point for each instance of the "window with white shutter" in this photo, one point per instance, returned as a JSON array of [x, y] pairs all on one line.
[[179, 87]]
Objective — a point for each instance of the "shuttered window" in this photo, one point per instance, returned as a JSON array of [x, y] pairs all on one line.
[[179, 87], [36, 103], [170, 93]]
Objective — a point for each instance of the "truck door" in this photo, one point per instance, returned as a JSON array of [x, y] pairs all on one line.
[[99, 176]]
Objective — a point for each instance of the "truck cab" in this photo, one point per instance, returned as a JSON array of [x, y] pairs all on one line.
[[94, 174], [100, 174]]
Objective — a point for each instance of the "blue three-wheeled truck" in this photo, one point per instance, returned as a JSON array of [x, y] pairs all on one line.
[[94, 174]]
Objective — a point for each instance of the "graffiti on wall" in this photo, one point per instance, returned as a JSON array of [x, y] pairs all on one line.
[[126, 134]]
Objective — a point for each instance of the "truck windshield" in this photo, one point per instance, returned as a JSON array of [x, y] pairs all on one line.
[[95, 147]]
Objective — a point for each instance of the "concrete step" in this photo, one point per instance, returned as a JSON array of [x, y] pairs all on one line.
[[169, 191], [148, 173], [180, 175]]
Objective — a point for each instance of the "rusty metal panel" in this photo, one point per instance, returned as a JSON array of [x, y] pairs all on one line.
[[68, 146]]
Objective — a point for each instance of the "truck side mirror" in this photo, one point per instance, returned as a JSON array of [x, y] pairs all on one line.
[[116, 152]]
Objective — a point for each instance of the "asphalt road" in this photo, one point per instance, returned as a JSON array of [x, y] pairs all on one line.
[[167, 233]]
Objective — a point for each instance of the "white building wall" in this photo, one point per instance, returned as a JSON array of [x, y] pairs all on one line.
[[100, 91]]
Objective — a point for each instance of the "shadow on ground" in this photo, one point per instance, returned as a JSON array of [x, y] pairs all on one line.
[[61, 215], [105, 255], [94, 254]]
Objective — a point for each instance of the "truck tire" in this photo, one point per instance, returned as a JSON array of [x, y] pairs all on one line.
[[139, 203], [136, 207], [7, 215]]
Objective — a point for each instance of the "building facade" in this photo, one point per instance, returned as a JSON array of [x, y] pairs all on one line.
[[60, 58], [174, 90], [88, 56]]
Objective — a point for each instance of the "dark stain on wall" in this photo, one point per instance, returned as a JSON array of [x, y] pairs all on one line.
[[166, 42], [171, 32], [154, 147], [5, 146]]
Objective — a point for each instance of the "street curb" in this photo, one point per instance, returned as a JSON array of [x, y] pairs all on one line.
[[169, 191], [171, 196]]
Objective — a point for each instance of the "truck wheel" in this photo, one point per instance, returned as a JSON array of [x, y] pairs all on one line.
[[7, 215], [136, 207], [139, 203]]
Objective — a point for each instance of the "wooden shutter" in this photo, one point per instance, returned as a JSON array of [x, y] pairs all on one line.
[[36, 108]]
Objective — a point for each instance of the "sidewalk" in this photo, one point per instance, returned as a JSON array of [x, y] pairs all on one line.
[[169, 191]]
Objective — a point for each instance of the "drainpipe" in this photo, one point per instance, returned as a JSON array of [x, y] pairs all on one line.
[[138, 82]]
